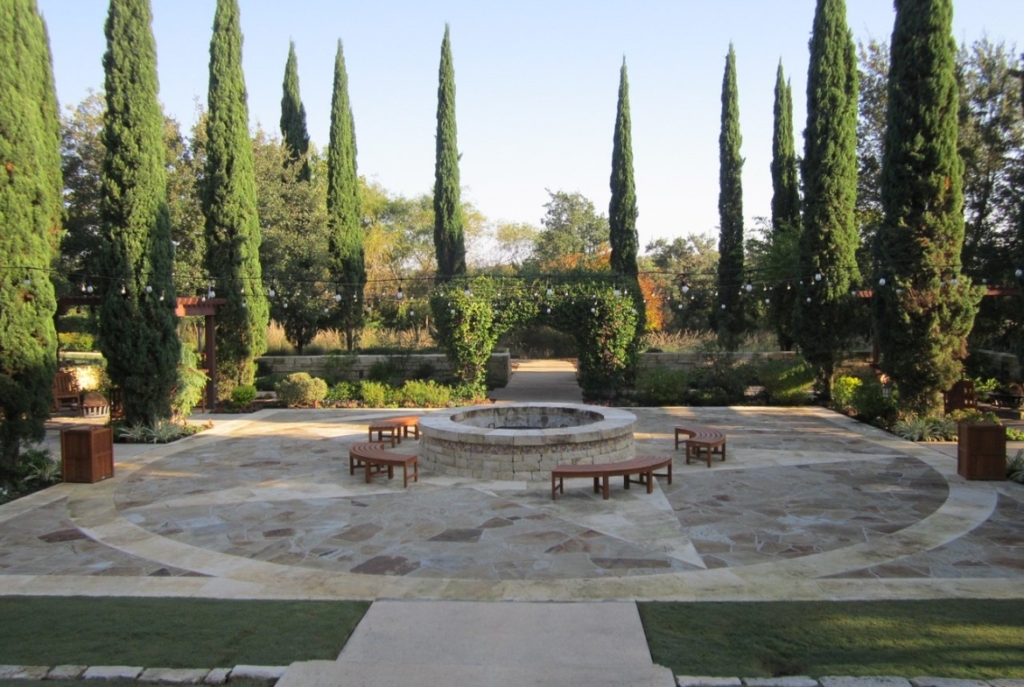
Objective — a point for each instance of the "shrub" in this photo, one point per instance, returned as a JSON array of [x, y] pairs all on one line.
[[268, 382], [299, 389], [1015, 468], [721, 379], [75, 341], [708, 396], [380, 372], [786, 382], [419, 394], [244, 395], [468, 394], [425, 370], [375, 394], [342, 392], [916, 428], [661, 386], [191, 386], [844, 390], [870, 404], [336, 367]]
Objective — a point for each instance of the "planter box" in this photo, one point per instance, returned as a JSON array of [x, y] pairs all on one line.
[[981, 450], [87, 454]]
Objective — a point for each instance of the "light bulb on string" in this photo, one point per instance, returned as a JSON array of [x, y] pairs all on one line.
[[617, 292], [149, 288], [337, 297], [1019, 273], [27, 282], [685, 288], [808, 299], [749, 287], [817, 276], [551, 291], [881, 281], [467, 293], [89, 288], [400, 295], [270, 292]]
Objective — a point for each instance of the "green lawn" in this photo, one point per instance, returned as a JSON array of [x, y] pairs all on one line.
[[946, 638], [172, 633]]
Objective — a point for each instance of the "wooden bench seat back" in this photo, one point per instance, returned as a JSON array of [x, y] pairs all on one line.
[[65, 388]]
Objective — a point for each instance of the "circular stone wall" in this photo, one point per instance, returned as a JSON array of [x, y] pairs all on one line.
[[523, 441]]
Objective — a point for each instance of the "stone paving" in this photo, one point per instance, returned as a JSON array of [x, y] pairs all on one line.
[[809, 505]]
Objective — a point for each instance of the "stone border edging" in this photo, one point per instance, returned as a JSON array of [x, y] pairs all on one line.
[[177, 676]]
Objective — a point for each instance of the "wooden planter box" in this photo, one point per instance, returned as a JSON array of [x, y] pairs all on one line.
[[87, 454], [981, 450]]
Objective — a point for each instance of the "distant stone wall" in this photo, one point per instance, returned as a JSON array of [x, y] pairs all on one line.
[[692, 359], [354, 368]]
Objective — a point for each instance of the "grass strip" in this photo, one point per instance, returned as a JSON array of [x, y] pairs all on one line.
[[961, 638], [172, 632]]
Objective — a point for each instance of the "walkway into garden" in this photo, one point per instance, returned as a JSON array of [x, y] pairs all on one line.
[[553, 381], [810, 505]]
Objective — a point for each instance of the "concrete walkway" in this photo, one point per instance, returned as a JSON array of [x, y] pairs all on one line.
[[553, 381], [809, 505]]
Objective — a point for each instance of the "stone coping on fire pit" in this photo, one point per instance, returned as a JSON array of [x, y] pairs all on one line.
[[450, 446]]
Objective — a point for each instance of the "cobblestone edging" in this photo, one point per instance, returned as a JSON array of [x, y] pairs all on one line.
[[219, 676], [841, 681], [179, 676]]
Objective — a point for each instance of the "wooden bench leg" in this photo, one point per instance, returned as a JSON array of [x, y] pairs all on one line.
[[605, 490], [597, 485], [369, 476]]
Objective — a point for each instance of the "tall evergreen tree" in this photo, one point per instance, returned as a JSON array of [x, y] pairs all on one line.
[[137, 329], [729, 314], [293, 116], [29, 206], [449, 241], [785, 230], [622, 210], [343, 209], [926, 308], [229, 204], [828, 243]]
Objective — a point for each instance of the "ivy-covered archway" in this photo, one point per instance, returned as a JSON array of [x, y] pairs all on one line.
[[598, 311]]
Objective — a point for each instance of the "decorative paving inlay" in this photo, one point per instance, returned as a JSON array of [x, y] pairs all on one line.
[[809, 504]]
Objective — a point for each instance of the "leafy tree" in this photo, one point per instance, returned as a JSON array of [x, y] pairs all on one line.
[[229, 204], [137, 327], [295, 240], [785, 224], [343, 211], [828, 243], [449, 241], [572, 227], [30, 204], [729, 315], [991, 143], [293, 116], [515, 243], [692, 262], [926, 308], [82, 153], [185, 164], [872, 88]]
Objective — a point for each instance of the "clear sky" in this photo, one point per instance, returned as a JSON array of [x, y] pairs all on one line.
[[536, 80]]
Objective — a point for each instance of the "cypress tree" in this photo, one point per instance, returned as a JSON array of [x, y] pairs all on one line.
[[729, 314], [828, 243], [229, 204], [293, 116], [343, 212], [137, 327], [926, 308], [29, 205], [622, 210], [449, 242], [785, 213]]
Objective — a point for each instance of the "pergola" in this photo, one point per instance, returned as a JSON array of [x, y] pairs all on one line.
[[186, 307]]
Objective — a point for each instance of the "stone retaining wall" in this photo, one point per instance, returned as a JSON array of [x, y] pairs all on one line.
[[354, 368]]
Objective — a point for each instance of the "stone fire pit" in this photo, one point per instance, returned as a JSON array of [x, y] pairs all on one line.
[[523, 441]]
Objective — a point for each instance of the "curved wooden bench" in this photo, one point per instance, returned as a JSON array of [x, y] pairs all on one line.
[[374, 458], [396, 428], [643, 466], [702, 443]]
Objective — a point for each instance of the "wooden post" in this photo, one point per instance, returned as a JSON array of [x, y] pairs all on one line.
[[211, 362]]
